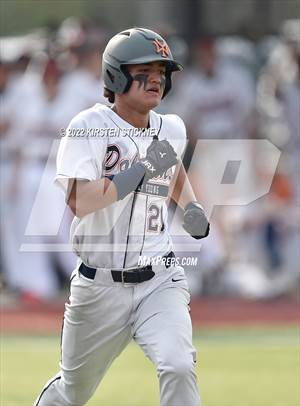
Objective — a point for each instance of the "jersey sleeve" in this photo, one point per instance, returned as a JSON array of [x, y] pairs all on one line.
[[78, 156], [176, 131]]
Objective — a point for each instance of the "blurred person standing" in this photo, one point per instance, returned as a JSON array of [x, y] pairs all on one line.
[[9, 164], [217, 103], [219, 97], [37, 118], [278, 99], [83, 84], [17, 86], [269, 227]]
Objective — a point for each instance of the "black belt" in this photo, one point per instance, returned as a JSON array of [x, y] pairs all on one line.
[[133, 276], [137, 275]]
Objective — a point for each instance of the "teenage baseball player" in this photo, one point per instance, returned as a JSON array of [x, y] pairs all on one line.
[[117, 186]]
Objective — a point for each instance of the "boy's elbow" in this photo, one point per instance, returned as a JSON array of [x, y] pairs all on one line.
[[76, 207]]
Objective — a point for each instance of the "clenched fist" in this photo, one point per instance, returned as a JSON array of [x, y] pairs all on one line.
[[160, 157], [195, 221]]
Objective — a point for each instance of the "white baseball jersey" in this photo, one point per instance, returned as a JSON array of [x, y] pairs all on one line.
[[98, 142]]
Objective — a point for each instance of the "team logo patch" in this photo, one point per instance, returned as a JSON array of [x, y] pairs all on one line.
[[162, 48]]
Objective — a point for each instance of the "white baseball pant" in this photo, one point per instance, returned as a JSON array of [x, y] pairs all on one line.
[[102, 316]]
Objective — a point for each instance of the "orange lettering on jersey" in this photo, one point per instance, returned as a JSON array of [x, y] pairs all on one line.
[[161, 48]]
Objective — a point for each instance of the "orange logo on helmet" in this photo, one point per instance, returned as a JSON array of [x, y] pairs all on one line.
[[161, 48]]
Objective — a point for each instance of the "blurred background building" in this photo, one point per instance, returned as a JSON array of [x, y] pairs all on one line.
[[241, 82]]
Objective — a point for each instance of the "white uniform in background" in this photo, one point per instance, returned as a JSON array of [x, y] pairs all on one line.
[[218, 107], [38, 125], [10, 141], [81, 90]]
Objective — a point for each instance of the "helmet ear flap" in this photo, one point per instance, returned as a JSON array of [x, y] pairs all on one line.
[[129, 78], [117, 80], [110, 75], [168, 83]]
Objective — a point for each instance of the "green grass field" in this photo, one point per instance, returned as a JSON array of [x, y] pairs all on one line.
[[242, 367]]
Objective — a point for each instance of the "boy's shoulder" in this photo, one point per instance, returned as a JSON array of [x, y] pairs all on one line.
[[173, 124]]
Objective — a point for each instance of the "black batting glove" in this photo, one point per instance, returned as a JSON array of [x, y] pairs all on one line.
[[159, 158], [195, 222]]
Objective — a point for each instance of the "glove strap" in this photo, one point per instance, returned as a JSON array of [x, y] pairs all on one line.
[[193, 204], [127, 181]]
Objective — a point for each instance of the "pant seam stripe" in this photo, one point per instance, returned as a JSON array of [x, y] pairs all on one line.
[[44, 390]]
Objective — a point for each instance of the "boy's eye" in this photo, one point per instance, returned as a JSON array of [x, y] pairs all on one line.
[[147, 70], [143, 70]]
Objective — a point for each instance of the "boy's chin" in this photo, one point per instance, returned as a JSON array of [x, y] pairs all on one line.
[[151, 105]]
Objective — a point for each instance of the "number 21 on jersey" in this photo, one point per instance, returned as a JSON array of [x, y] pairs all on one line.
[[155, 223]]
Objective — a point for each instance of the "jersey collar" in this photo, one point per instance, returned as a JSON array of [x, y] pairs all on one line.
[[121, 123]]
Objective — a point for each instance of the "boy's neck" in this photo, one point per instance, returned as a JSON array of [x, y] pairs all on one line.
[[133, 117]]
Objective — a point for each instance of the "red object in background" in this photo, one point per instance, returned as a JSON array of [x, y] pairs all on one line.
[[282, 187], [51, 71]]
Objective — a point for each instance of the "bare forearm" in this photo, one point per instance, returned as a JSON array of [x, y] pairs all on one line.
[[194, 220], [182, 192], [86, 197]]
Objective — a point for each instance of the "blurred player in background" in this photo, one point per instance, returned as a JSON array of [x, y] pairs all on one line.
[[82, 85], [278, 102], [218, 102]]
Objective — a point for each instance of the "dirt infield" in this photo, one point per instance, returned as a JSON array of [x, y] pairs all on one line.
[[245, 312], [210, 312]]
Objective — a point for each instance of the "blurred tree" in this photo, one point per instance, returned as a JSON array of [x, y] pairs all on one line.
[[188, 17], [21, 16]]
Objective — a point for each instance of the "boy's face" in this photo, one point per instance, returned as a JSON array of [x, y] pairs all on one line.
[[147, 87]]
